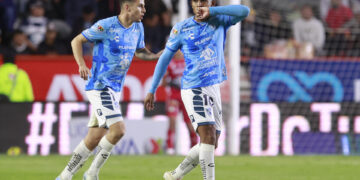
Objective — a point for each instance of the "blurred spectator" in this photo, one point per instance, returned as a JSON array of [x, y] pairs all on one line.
[[51, 44], [20, 44], [325, 6], [34, 25], [309, 29], [338, 14], [352, 34], [15, 85], [275, 28], [7, 15], [73, 9], [107, 8], [84, 22], [54, 9], [1, 45], [248, 40], [155, 37]]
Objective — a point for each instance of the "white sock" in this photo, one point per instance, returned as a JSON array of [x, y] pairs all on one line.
[[101, 157], [80, 155], [207, 161], [188, 164]]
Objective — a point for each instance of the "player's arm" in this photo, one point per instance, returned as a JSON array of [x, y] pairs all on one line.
[[76, 45], [237, 12], [146, 54], [159, 72]]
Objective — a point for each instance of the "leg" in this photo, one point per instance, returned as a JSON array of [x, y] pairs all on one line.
[[106, 144], [172, 109], [107, 116], [188, 164], [206, 152], [192, 133], [170, 136], [82, 152]]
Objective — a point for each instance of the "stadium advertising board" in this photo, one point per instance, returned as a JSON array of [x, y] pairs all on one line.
[[56, 78], [304, 81], [264, 129]]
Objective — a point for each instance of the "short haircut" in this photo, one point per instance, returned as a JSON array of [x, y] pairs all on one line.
[[9, 56], [121, 2]]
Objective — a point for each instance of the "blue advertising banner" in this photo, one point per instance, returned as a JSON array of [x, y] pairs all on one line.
[[303, 81]]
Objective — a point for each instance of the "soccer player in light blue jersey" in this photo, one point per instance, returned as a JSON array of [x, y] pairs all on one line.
[[116, 40], [201, 39]]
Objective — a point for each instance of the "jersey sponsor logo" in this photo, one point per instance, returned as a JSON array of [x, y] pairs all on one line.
[[117, 38], [100, 28], [203, 41], [191, 36], [207, 54], [187, 29], [113, 30]]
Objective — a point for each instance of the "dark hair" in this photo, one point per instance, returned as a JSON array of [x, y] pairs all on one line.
[[88, 9], [17, 32], [121, 2], [9, 55]]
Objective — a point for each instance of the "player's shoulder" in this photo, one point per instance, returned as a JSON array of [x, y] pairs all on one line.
[[184, 25], [108, 22]]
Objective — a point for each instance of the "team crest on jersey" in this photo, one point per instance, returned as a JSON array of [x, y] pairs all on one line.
[[100, 28], [192, 118], [175, 31], [99, 112]]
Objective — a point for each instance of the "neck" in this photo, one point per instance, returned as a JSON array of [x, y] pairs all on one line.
[[125, 20]]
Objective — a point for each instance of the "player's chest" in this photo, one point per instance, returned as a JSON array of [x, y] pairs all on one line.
[[123, 39], [197, 36]]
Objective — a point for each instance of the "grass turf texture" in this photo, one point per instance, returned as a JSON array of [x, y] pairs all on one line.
[[152, 168]]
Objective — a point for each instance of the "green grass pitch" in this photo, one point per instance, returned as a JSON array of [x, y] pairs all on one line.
[[152, 167]]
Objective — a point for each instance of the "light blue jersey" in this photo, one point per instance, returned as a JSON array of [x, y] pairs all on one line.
[[203, 47], [113, 52], [202, 44]]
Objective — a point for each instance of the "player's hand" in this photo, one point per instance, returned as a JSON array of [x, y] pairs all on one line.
[[203, 13], [84, 72], [149, 102]]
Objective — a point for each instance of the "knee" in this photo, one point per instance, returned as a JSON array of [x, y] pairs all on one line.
[[92, 142], [209, 139], [117, 135]]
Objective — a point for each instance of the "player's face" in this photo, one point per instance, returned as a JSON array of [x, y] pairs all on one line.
[[195, 4], [138, 10]]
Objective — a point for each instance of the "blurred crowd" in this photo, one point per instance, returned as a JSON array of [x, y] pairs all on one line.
[[302, 29], [48, 26], [275, 28]]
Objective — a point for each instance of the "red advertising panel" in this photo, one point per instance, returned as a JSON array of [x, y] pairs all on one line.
[[55, 78]]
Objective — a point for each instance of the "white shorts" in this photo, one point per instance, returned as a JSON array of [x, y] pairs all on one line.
[[203, 106], [105, 109]]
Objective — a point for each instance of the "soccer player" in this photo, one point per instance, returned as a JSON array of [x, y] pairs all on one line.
[[116, 40], [174, 104], [201, 38]]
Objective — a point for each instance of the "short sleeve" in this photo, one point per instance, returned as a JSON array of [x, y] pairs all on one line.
[[95, 32], [141, 43], [173, 42]]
